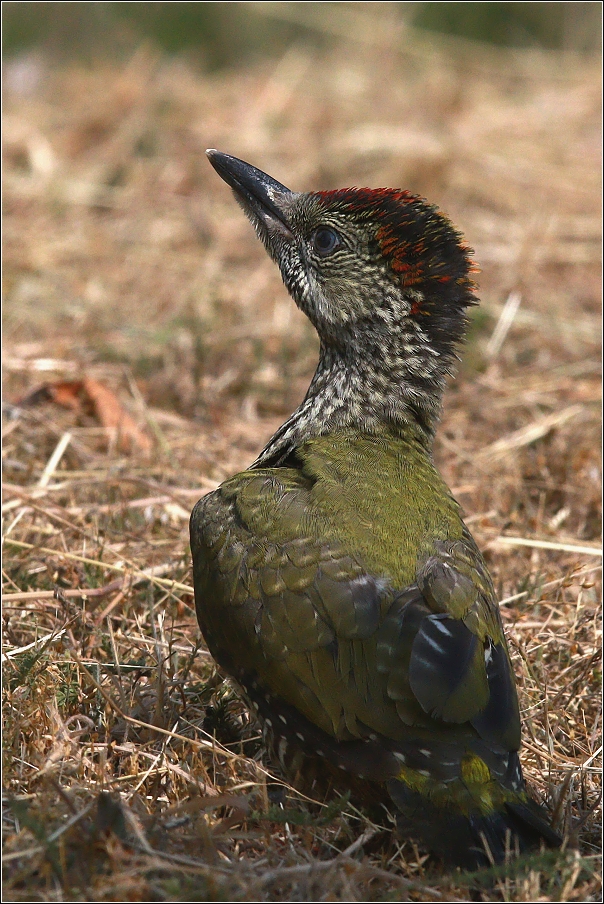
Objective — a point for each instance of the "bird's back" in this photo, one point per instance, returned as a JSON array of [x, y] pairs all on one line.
[[348, 599], [348, 515]]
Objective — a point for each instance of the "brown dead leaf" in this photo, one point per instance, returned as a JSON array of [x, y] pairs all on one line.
[[66, 393], [114, 417], [91, 395]]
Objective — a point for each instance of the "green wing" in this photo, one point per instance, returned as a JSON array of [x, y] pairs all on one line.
[[355, 596]]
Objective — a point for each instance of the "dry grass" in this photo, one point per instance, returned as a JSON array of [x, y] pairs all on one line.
[[131, 771]]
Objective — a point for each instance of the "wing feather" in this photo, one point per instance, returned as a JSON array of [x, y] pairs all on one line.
[[348, 646]]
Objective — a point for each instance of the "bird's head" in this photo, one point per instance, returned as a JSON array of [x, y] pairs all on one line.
[[383, 276]]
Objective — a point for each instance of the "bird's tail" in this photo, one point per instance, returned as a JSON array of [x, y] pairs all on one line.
[[473, 836]]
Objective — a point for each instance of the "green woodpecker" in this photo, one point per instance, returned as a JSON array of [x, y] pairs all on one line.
[[335, 580]]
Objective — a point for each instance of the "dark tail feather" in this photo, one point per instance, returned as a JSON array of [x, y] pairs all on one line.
[[531, 819], [460, 840]]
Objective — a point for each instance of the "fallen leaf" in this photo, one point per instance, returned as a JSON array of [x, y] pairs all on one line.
[[65, 393], [114, 417], [89, 394]]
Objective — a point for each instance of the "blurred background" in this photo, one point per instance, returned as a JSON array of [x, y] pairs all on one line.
[[121, 241], [232, 34]]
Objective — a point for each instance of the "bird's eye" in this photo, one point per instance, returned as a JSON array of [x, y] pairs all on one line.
[[325, 241]]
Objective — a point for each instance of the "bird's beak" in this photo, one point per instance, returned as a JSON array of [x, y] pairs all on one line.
[[264, 199]]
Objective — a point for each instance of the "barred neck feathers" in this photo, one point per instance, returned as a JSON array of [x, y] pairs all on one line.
[[359, 398], [389, 310]]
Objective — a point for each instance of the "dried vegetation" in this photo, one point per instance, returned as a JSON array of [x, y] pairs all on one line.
[[131, 771]]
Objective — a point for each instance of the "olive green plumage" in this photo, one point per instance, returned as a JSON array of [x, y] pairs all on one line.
[[279, 550], [335, 580]]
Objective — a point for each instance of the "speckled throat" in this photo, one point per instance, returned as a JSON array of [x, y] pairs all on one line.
[[380, 391]]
